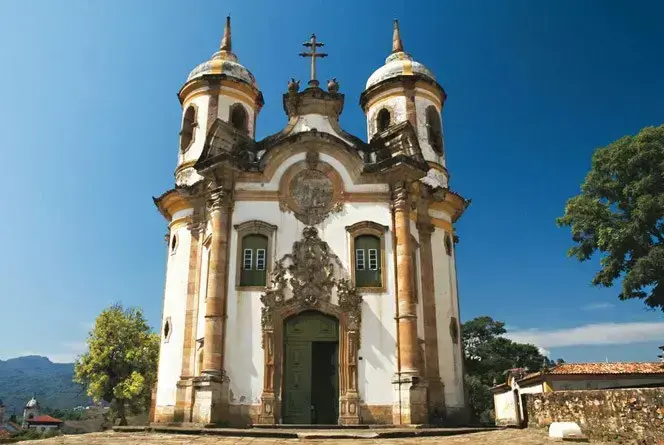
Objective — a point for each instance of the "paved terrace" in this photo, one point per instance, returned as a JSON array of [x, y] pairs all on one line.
[[496, 437]]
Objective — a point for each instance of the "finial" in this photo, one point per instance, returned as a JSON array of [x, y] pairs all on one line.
[[397, 45], [333, 85], [226, 44]]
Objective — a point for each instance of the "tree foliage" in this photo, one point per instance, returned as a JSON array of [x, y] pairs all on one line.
[[620, 214], [120, 365], [488, 355]]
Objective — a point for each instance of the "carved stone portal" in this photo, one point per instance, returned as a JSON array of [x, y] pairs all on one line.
[[306, 279]]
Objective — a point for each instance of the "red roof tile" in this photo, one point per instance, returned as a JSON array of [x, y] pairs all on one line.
[[44, 419], [608, 368]]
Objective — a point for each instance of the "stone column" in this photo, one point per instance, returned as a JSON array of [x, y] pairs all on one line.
[[212, 387], [407, 318], [436, 392], [215, 305], [410, 398], [185, 392]]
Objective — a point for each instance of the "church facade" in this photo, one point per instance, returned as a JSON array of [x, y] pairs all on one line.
[[311, 275]]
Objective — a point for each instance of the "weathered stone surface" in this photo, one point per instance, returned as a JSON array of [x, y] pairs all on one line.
[[617, 414], [499, 437]]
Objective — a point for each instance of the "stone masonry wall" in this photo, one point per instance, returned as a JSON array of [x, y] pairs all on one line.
[[616, 414]]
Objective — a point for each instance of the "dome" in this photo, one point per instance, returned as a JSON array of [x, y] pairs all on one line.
[[224, 62], [399, 63], [228, 66], [32, 403]]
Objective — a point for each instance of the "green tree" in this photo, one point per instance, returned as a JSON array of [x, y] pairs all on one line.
[[488, 355], [120, 365], [620, 215]]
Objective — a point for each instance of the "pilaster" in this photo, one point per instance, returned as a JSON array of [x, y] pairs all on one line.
[[184, 393], [410, 405], [436, 390], [211, 389]]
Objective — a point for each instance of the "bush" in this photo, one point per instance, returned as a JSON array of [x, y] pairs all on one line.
[[480, 400]]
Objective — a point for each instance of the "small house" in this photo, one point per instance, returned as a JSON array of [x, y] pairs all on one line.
[[508, 396]]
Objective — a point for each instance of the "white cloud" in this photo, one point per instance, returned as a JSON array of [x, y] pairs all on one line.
[[597, 306], [592, 334]]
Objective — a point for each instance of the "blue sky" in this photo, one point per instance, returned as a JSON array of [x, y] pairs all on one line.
[[90, 124]]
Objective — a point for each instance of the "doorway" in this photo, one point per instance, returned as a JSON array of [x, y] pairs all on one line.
[[311, 369]]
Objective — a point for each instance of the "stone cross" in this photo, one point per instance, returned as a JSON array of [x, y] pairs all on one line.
[[313, 54]]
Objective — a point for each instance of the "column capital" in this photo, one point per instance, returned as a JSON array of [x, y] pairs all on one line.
[[401, 196], [218, 199], [425, 228]]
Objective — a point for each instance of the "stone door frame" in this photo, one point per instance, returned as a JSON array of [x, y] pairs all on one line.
[[273, 351]]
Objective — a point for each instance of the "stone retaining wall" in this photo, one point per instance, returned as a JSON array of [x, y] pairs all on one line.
[[610, 414]]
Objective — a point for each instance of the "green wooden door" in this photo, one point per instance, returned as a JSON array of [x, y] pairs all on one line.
[[302, 333], [297, 383]]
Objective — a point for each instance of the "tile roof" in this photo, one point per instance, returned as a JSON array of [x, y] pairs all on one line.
[[44, 419], [607, 368]]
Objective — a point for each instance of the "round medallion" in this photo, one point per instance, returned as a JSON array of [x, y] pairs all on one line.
[[311, 194]]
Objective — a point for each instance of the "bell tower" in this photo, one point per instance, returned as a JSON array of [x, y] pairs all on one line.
[[406, 90], [218, 88]]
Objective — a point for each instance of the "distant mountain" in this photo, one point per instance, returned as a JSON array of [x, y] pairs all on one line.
[[22, 377]]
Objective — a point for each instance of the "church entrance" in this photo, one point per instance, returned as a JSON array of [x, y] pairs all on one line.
[[311, 369]]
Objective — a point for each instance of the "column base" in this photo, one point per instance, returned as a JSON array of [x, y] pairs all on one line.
[[410, 400], [267, 410], [210, 399], [184, 396], [436, 401], [349, 409]]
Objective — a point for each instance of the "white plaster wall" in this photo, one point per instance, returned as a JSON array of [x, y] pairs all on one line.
[[505, 408], [532, 389], [569, 385], [421, 104], [244, 353], [449, 354], [175, 297], [395, 105], [308, 122]]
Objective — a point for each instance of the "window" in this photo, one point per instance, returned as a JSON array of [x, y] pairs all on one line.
[[167, 329], [367, 247], [367, 273], [255, 240], [188, 126], [260, 259], [448, 244], [359, 259], [434, 129], [373, 259], [248, 256], [174, 244], [238, 117], [253, 263], [383, 120]]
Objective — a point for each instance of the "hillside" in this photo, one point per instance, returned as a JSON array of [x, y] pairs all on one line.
[[52, 382]]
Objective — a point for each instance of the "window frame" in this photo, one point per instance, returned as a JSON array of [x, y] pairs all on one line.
[[231, 111], [254, 227], [167, 326], [437, 145], [379, 231], [194, 126], [378, 119]]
